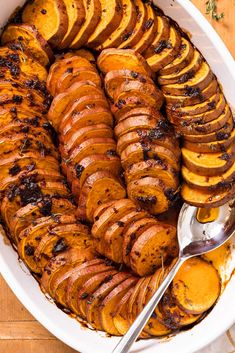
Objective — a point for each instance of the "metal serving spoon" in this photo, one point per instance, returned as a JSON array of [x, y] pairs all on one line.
[[195, 238]]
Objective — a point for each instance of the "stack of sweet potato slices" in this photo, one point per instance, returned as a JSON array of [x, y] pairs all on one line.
[[199, 111], [33, 190], [147, 146], [81, 115]]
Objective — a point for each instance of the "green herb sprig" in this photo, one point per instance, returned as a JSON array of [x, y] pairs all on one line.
[[211, 9]]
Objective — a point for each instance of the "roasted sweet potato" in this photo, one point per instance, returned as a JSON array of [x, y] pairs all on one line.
[[119, 59], [124, 28], [84, 133], [109, 304], [92, 18], [165, 50], [209, 183], [175, 111], [111, 16], [132, 233], [59, 281], [90, 286], [147, 91], [184, 121], [163, 34], [76, 16], [180, 77], [49, 17], [152, 194], [66, 65], [207, 199], [99, 188], [120, 318], [152, 248], [194, 96], [93, 301], [152, 168], [198, 81], [30, 38], [208, 164], [113, 238], [115, 78], [138, 152], [221, 133], [83, 105], [224, 141], [150, 28], [61, 102], [135, 123], [77, 280], [78, 75], [182, 60], [137, 33], [190, 297]]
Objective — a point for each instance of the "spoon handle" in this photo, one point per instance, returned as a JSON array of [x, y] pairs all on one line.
[[134, 331]]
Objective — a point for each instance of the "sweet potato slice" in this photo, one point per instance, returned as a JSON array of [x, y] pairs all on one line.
[[90, 286], [137, 33], [199, 80], [194, 96], [132, 233], [49, 17], [94, 300], [59, 281], [153, 246], [95, 163], [119, 59], [113, 238], [115, 78], [155, 169], [151, 194], [148, 91], [62, 100], [150, 29], [209, 183], [140, 111], [163, 34], [180, 77], [153, 137], [137, 152], [208, 164], [124, 28], [30, 38], [108, 214], [111, 16], [92, 18], [79, 136], [182, 60], [62, 66], [135, 123], [86, 54], [207, 199], [214, 146], [173, 316], [214, 109], [221, 134], [99, 188], [108, 305], [76, 17], [165, 51], [78, 75], [192, 298], [76, 281], [93, 146], [120, 318]]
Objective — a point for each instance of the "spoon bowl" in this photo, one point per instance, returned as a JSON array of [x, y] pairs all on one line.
[[196, 236]]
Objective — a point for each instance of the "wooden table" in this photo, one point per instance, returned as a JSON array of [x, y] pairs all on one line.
[[19, 332]]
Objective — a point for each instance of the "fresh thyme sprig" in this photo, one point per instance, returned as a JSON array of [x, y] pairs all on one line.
[[211, 8]]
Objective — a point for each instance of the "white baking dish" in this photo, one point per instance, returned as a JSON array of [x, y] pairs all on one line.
[[68, 329]]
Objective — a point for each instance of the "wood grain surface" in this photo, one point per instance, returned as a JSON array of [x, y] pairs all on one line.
[[19, 332]]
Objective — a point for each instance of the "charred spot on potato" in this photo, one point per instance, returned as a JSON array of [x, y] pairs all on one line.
[[29, 250], [59, 246], [79, 169], [163, 44], [148, 200], [14, 170]]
